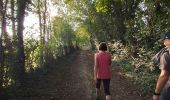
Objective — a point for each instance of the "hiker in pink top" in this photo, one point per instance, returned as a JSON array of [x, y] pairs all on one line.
[[102, 63]]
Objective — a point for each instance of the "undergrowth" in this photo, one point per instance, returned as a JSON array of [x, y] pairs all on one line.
[[136, 63]]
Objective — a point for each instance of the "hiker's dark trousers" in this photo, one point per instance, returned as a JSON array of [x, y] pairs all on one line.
[[106, 84]]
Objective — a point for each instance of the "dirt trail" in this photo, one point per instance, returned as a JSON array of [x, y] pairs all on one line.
[[72, 79]]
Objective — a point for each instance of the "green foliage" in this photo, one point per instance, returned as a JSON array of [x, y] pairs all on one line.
[[61, 38], [101, 6], [138, 67], [32, 54], [126, 66], [130, 27], [67, 1], [82, 36]]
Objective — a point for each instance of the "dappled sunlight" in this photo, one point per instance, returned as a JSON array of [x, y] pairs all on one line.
[[47, 47]]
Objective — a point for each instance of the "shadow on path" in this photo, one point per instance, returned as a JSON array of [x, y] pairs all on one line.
[[72, 79]]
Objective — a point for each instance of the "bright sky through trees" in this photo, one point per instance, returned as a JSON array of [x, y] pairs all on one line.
[[31, 23], [31, 26]]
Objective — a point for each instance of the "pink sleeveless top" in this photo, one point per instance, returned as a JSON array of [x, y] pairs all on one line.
[[104, 61]]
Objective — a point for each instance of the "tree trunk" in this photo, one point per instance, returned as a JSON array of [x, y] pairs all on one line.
[[3, 10], [20, 45], [41, 34], [45, 30], [1, 50], [13, 17], [48, 31]]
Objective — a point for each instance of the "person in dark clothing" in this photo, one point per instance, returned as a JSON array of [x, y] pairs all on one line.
[[162, 90]]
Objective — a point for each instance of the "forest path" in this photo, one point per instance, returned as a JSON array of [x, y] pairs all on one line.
[[72, 79]]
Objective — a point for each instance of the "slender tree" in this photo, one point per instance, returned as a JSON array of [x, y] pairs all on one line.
[[1, 49], [45, 26], [20, 46], [3, 10], [40, 29], [13, 17]]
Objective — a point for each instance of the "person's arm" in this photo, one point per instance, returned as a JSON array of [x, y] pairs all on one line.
[[95, 67], [162, 80], [164, 75]]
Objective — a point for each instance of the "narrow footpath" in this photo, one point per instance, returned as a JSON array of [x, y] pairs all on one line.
[[72, 79]]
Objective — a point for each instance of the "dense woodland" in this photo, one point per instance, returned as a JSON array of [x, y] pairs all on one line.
[[131, 29]]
